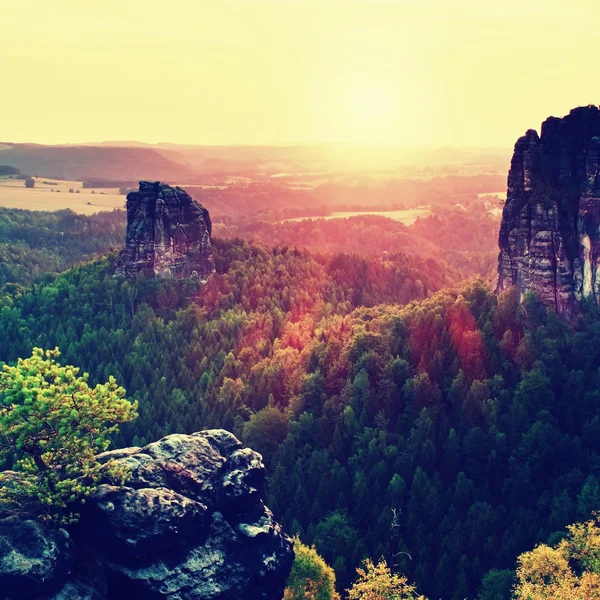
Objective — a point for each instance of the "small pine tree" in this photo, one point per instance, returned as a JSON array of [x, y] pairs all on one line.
[[52, 425]]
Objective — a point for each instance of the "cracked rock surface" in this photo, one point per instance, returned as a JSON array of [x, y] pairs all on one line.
[[189, 524], [168, 234], [550, 231]]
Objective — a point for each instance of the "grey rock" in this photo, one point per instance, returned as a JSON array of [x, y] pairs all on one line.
[[191, 463], [104, 457], [168, 234], [550, 232], [242, 484], [34, 559], [222, 567], [138, 522], [74, 590], [188, 524]]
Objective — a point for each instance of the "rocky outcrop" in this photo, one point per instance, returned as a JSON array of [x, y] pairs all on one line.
[[550, 232], [33, 559], [189, 524], [168, 234]]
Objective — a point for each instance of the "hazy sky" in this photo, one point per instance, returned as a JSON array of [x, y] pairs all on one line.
[[395, 72]]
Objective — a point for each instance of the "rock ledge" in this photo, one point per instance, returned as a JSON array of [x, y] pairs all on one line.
[[189, 524]]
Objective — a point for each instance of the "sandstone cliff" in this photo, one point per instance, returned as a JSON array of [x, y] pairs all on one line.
[[189, 524], [168, 234], [550, 232]]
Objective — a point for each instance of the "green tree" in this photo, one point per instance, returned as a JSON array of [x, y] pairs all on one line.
[[588, 500], [52, 425], [334, 534], [311, 578], [496, 584], [30, 182], [265, 430]]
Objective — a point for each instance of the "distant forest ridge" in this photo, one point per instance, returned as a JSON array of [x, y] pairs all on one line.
[[131, 161]]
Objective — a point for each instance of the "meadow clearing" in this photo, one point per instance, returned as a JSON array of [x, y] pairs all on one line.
[[53, 194], [408, 216]]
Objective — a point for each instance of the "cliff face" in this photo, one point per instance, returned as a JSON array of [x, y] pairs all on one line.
[[550, 232], [168, 234], [189, 524]]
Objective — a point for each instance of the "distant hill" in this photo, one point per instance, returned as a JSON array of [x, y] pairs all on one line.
[[100, 159], [87, 162], [6, 170]]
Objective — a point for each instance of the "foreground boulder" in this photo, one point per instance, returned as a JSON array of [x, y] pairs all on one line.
[[550, 232], [33, 559], [168, 234], [189, 524]]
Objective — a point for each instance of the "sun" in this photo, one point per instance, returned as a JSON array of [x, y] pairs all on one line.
[[369, 107]]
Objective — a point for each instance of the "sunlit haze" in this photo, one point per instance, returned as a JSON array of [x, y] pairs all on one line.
[[395, 72]]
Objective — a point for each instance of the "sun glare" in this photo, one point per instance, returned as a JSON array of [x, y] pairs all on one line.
[[369, 107]]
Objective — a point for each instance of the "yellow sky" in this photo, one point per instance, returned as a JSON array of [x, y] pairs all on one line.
[[391, 72]]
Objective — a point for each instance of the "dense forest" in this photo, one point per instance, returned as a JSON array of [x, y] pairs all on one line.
[[463, 237], [447, 430], [34, 243], [464, 240]]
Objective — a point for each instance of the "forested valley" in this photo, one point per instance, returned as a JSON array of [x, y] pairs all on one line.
[[462, 240], [400, 412], [34, 243]]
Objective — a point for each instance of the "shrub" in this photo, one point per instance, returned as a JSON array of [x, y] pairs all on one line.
[[311, 578]]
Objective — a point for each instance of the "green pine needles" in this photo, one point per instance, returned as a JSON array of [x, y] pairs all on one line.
[[52, 426]]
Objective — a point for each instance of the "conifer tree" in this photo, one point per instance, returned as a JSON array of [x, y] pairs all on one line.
[[52, 425]]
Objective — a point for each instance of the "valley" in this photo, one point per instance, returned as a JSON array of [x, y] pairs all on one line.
[[365, 357], [300, 300]]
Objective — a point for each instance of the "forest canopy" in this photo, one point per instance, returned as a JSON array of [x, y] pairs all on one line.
[[468, 421], [35, 243]]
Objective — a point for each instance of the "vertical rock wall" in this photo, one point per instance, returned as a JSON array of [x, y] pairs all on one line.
[[550, 232], [168, 234]]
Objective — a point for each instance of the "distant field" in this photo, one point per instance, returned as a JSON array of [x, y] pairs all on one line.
[[501, 194], [408, 217], [14, 194], [492, 197]]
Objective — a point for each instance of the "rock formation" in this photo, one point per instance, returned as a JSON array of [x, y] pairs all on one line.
[[168, 234], [189, 524], [550, 232]]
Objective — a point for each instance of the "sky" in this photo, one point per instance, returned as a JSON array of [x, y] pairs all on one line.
[[402, 73]]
